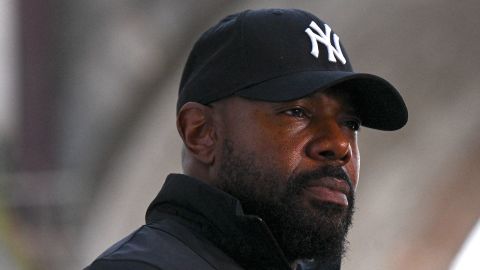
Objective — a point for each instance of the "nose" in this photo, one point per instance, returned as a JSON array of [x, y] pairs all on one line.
[[330, 144]]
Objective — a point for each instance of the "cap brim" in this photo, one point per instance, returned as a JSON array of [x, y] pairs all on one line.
[[378, 103]]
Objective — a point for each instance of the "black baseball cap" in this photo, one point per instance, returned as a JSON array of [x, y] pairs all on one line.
[[280, 55]]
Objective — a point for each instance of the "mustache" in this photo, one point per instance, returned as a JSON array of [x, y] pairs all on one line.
[[303, 179]]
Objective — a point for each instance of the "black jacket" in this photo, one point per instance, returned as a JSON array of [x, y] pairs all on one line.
[[191, 225]]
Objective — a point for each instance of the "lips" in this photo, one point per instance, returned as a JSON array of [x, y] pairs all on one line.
[[329, 189]]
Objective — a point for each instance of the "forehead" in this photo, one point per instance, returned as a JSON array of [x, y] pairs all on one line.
[[317, 100], [342, 100]]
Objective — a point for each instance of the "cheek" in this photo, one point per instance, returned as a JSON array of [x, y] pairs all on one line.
[[274, 145], [289, 152], [276, 148], [285, 145]]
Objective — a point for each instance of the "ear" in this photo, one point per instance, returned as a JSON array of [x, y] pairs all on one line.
[[196, 127]]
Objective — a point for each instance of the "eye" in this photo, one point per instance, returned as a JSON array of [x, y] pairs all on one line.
[[297, 112], [353, 124]]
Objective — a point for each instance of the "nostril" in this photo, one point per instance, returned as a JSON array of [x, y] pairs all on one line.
[[331, 155], [346, 157], [327, 154]]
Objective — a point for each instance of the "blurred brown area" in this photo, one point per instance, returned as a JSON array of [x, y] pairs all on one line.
[[95, 133]]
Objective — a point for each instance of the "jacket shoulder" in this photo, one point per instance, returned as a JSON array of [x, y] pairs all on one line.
[[163, 245], [104, 264]]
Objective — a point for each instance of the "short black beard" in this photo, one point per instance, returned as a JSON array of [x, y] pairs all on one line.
[[317, 232]]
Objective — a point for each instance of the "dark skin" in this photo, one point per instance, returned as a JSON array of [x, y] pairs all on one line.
[[289, 138], [303, 134]]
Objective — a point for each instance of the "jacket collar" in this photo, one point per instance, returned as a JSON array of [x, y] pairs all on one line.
[[219, 217]]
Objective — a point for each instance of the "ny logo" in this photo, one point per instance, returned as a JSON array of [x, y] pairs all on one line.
[[334, 53]]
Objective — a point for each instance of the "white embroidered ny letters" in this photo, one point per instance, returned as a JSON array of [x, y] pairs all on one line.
[[334, 53]]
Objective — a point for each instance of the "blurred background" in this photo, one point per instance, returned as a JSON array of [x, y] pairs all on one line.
[[87, 124]]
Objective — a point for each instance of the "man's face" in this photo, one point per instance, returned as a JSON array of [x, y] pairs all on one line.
[[294, 164]]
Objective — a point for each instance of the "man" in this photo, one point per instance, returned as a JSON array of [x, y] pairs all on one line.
[[269, 111]]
